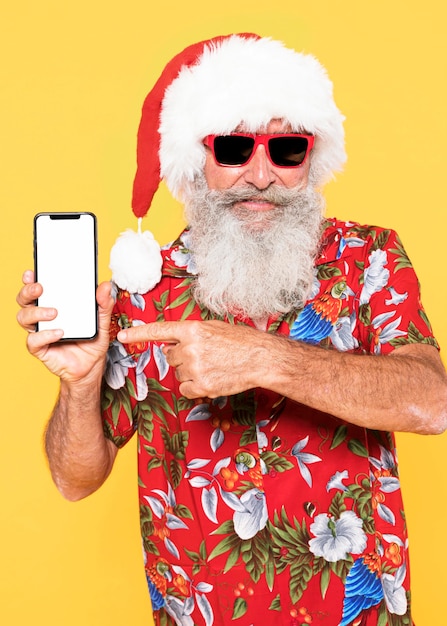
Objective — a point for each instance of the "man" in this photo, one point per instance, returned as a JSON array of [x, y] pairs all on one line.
[[264, 367]]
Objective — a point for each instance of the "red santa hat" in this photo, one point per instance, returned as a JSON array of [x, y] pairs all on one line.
[[213, 87]]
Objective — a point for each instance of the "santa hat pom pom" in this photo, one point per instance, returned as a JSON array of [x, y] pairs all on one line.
[[135, 261]]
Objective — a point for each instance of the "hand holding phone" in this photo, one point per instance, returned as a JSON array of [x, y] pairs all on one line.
[[65, 259]]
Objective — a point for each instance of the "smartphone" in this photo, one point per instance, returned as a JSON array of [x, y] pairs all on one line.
[[65, 264]]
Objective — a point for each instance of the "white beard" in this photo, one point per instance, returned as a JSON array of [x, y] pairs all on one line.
[[254, 264]]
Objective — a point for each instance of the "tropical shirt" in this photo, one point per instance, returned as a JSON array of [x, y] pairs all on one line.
[[255, 509]]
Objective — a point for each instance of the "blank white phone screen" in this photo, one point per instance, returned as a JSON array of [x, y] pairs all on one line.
[[65, 263]]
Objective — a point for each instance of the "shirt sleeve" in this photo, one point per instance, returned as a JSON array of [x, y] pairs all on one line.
[[120, 405], [390, 311]]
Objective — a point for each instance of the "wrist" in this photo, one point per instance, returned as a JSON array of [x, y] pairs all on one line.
[[83, 389]]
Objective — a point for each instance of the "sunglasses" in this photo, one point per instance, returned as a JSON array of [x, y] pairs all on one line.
[[283, 150]]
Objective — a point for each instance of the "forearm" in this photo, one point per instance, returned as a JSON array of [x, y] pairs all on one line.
[[79, 455], [405, 391]]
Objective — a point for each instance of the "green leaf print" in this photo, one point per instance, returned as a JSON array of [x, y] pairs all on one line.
[[270, 573], [121, 402], [161, 304], [363, 233], [358, 448], [382, 618], [327, 271], [183, 511], [300, 575], [361, 266], [117, 400], [244, 408], [225, 529], [153, 463], [365, 314], [109, 433], [198, 558], [325, 580], [143, 414], [291, 549], [130, 388], [293, 539], [424, 317], [227, 544], [164, 618], [156, 401], [402, 260], [176, 473], [181, 404], [337, 506], [381, 241], [107, 396], [248, 436], [232, 558], [361, 494], [188, 310], [239, 608], [414, 335], [256, 554], [147, 528], [274, 461], [193, 556], [339, 436], [183, 298], [341, 568], [276, 604]]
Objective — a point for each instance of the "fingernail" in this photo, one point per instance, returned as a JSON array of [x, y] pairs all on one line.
[[27, 275]]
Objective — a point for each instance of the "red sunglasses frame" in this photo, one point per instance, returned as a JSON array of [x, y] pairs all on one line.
[[263, 140]]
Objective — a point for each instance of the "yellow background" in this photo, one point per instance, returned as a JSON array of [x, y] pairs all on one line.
[[73, 78]]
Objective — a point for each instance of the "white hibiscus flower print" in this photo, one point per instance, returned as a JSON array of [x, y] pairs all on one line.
[[334, 538]]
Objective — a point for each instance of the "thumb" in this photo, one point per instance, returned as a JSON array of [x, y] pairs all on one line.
[[104, 297], [105, 302]]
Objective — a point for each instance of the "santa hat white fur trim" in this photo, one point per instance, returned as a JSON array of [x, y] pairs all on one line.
[[247, 81]]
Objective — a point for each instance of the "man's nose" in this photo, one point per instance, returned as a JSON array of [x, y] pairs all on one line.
[[260, 171]]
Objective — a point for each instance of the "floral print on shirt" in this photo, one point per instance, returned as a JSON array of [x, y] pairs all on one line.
[[256, 509]]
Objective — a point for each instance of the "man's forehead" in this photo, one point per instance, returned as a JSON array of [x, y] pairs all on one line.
[[274, 126]]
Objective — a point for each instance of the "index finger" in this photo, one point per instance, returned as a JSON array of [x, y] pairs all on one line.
[[171, 332], [30, 291]]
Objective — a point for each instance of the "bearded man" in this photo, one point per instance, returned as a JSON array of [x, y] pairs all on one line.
[[264, 362]]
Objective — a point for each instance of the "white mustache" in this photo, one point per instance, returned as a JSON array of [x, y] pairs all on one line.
[[280, 196]]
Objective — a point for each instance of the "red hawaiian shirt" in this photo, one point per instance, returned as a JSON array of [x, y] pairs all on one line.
[[255, 509]]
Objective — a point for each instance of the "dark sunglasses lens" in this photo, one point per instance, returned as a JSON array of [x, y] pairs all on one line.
[[233, 150], [288, 151]]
